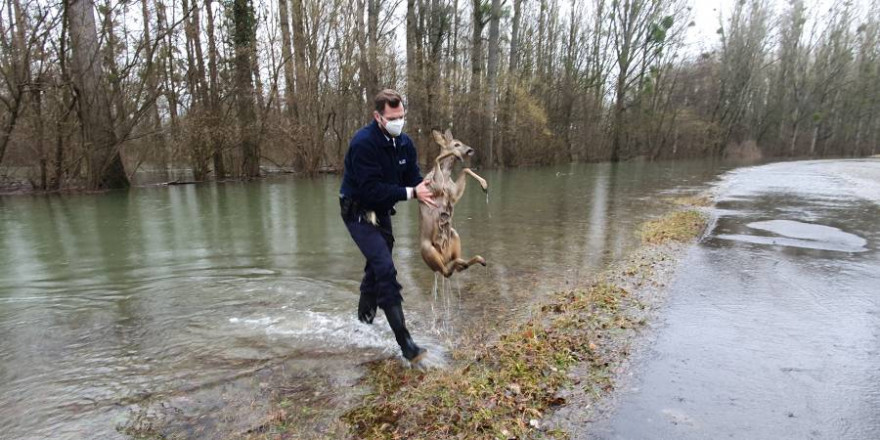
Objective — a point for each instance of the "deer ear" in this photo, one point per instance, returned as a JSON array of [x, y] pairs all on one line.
[[448, 135], [438, 138]]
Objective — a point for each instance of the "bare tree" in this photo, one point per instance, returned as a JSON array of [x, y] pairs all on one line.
[[106, 170], [243, 34], [197, 86]]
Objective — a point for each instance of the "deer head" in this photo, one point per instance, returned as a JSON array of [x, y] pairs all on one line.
[[451, 146]]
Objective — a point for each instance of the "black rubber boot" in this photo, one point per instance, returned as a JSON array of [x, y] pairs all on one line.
[[367, 308], [411, 351]]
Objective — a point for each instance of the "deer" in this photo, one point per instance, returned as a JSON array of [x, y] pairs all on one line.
[[439, 242]]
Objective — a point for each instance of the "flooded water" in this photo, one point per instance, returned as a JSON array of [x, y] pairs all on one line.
[[187, 308], [772, 329]]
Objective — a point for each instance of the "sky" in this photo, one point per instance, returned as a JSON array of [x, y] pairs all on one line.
[[703, 37]]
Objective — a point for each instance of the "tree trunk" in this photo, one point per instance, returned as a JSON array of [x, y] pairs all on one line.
[[368, 44], [214, 93], [570, 84], [508, 107], [453, 78], [6, 134], [619, 109], [597, 80], [255, 65], [286, 55], [430, 58], [373, 8], [37, 104], [492, 73], [118, 111], [415, 76], [199, 56], [539, 42], [154, 121], [106, 170], [167, 65], [199, 154], [243, 34], [20, 71], [67, 103], [814, 139], [477, 123], [189, 32], [299, 49], [624, 15], [310, 145], [514, 37]]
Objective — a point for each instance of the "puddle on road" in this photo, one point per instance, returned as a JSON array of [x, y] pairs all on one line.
[[802, 235]]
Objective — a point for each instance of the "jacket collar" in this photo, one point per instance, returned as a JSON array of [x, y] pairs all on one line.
[[381, 135]]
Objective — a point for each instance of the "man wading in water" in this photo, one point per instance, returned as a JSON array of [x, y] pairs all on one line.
[[381, 169]]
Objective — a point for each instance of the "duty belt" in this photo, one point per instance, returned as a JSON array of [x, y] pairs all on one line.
[[352, 209]]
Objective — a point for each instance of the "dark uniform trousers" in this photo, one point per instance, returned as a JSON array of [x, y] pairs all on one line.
[[376, 243]]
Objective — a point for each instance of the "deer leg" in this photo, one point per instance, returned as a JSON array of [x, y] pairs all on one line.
[[443, 156], [433, 259], [461, 182], [456, 263], [437, 173], [438, 170], [483, 183]]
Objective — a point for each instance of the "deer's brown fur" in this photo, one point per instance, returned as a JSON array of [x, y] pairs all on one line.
[[440, 244]]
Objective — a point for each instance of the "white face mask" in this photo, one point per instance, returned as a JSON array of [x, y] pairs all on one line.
[[394, 127]]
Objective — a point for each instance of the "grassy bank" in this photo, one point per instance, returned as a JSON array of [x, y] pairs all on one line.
[[504, 389]]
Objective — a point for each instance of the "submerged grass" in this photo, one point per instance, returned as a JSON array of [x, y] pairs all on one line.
[[701, 200], [678, 226], [504, 388]]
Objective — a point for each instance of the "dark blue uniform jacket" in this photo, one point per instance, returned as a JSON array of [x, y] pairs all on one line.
[[378, 169]]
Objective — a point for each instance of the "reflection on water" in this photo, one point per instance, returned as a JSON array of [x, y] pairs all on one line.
[[200, 297]]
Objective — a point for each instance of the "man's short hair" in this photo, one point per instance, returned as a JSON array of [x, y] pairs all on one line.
[[389, 97]]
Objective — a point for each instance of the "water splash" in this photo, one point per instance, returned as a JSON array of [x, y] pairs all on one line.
[[443, 308], [313, 328], [436, 358], [487, 203], [433, 304]]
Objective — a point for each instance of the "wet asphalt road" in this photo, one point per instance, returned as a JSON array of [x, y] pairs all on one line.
[[772, 325]]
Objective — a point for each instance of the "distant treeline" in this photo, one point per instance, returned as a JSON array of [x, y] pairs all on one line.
[[93, 91]]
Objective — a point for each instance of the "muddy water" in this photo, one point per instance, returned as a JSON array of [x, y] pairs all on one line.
[[187, 309], [772, 329]]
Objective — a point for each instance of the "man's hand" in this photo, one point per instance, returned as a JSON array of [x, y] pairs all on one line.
[[424, 194]]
